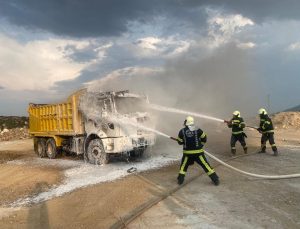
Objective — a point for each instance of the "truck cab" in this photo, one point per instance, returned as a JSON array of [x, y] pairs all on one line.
[[116, 123]]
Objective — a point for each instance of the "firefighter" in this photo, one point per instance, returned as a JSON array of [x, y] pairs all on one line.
[[193, 139], [267, 130], [237, 125]]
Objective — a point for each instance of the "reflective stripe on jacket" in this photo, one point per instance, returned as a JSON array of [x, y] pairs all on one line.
[[192, 140], [237, 124], [266, 125]]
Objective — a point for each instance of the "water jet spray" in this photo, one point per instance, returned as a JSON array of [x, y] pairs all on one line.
[[178, 111]]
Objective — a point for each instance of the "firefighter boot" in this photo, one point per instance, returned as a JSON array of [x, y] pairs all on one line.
[[215, 179], [274, 148], [245, 149], [263, 149], [180, 179], [233, 151]]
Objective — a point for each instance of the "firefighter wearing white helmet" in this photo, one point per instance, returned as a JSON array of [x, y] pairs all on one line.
[[237, 113], [189, 121], [267, 130], [237, 125], [262, 111], [193, 139]]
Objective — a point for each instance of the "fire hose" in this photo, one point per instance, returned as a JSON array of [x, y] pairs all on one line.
[[251, 127], [272, 177]]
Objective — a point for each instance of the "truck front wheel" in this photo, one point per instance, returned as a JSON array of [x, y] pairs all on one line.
[[40, 147], [96, 153], [51, 148], [137, 152]]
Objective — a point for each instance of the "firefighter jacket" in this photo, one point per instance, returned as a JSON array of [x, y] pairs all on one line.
[[266, 125], [192, 139], [237, 124]]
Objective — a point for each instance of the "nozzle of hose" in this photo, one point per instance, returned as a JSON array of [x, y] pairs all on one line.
[[175, 139]]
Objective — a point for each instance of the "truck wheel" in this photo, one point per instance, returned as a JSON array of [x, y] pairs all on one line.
[[138, 152], [96, 153], [51, 148], [40, 147]]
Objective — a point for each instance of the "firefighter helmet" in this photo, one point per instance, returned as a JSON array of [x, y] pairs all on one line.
[[262, 111], [189, 121], [237, 113]]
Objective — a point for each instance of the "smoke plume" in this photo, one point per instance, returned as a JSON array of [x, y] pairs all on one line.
[[215, 85]]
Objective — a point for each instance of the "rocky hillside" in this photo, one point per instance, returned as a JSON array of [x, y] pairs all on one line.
[[14, 134], [13, 128], [286, 120]]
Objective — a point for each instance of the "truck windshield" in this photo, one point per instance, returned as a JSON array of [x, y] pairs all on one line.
[[128, 105]]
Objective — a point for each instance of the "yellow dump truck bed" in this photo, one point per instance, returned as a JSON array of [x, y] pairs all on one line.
[[56, 119]]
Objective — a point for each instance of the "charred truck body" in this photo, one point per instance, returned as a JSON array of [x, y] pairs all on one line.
[[87, 123]]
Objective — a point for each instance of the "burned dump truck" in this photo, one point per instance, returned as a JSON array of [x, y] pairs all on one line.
[[98, 125]]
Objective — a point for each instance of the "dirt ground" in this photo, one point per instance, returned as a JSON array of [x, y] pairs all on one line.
[[19, 181], [239, 202]]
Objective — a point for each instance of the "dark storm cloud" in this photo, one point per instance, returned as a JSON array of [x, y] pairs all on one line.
[[80, 18], [93, 18], [260, 10]]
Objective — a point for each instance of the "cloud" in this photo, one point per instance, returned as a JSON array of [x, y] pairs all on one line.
[[89, 18], [221, 28], [164, 47], [260, 11], [93, 18], [294, 46], [1, 87], [37, 64], [95, 51], [247, 45], [152, 51]]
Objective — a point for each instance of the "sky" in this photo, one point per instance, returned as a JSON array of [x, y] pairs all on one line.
[[231, 52]]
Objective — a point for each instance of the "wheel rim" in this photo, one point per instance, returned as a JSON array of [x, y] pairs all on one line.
[[97, 155], [49, 150], [39, 148]]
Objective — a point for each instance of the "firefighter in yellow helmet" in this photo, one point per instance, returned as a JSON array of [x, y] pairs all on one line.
[[267, 130], [193, 139], [237, 125]]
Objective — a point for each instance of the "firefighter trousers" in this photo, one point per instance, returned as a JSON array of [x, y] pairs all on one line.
[[268, 137], [189, 159], [237, 137]]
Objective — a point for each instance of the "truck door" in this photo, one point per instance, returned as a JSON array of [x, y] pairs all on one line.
[[108, 108]]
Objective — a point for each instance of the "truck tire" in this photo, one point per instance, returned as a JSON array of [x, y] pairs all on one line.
[[138, 152], [51, 149], [40, 147], [96, 153]]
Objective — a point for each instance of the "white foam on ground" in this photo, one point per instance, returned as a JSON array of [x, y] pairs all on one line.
[[81, 174]]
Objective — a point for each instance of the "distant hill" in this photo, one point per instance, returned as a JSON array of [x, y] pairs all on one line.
[[297, 108], [10, 122], [287, 120]]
